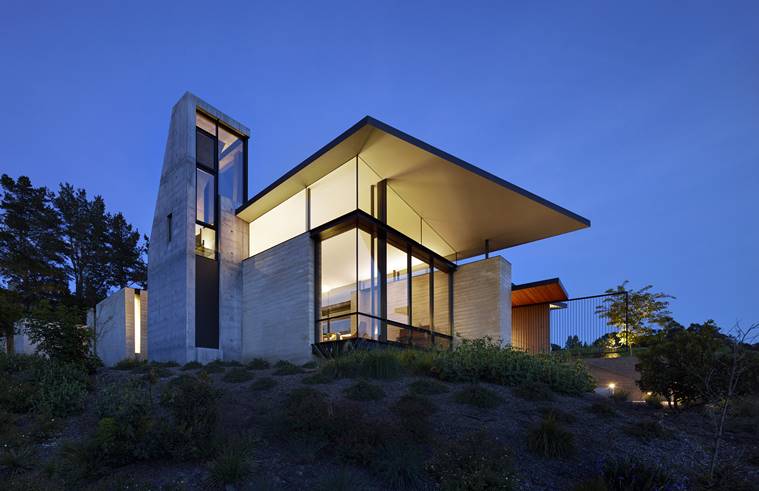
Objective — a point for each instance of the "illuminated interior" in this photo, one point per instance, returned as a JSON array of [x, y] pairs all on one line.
[[137, 322]]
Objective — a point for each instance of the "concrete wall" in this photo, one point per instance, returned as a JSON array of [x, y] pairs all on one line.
[[115, 327], [482, 300], [278, 302], [171, 263]]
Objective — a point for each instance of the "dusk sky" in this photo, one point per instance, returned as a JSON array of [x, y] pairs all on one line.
[[642, 117]]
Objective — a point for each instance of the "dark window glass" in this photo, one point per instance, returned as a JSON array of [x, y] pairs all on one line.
[[169, 230], [204, 149], [231, 161], [204, 204]]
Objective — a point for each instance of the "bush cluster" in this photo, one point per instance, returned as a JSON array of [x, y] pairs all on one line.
[[192, 406], [44, 386], [549, 439], [475, 462]]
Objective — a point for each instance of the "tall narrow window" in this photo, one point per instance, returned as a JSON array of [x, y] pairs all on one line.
[[169, 226], [137, 322], [205, 202], [231, 162]]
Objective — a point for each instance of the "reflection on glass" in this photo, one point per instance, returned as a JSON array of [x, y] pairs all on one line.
[[204, 197], [441, 283], [397, 285], [204, 149], [338, 282], [401, 217], [420, 294], [231, 157], [281, 223], [334, 195], [205, 241], [204, 122], [367, 188], [368, 286]]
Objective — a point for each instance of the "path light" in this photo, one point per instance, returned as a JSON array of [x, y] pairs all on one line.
[[612, 386]]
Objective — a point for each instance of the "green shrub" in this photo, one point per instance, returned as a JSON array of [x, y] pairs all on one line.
[[192, 405], [558, 415], [413, 415], [484, 360], [646, 430], [654, 401], [17, 396], [364, 391], [534, 391], [61, 389], [317, 378], [258, 364], [165, 364], [283, 367], [127, 430], [427, 387], [81, 460], [375, 364], [152, 373], [549, 439], [476, 462], [232, 465], [129, 363], [213, 368], [191, 365], [399, 465], [263, 383], [602, 408], [306, 411], [310, 365], [478, 396], [16, 460], [237, 375], [354, 438]]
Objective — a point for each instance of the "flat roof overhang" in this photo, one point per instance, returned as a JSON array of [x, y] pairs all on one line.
[[538, 292], [465, 205]]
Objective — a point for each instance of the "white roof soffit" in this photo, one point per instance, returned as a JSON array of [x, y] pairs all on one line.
[[463, 203]]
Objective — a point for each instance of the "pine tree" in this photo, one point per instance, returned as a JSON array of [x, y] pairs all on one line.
[[127, 264], [31, 250]]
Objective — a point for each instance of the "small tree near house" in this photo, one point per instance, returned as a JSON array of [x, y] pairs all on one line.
[[634, 312]]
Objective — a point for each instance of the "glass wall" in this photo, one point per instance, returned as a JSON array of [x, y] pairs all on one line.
[[278, 225], [204, 198], [334, 195], [351, 285], [205, 241], [231, 163]]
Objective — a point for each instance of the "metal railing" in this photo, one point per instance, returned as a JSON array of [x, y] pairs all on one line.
[[586, 326]]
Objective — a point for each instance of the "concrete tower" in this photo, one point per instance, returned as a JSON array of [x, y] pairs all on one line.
[[197, 242]]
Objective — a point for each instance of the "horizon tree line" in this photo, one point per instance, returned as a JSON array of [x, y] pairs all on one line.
[[63, 250]]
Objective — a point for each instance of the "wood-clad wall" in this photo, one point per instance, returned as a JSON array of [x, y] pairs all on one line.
[[530, 328]]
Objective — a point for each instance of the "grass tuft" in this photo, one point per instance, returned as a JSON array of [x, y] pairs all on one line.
[[191, 365], [364, 391], [237, 375], [263, 383], [427, 387], [478, 396], [534, 391], [317, 379], [286, 368], [258, 364], [549, 439]]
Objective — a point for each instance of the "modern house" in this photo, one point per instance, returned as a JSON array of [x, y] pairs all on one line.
[[377, 237]]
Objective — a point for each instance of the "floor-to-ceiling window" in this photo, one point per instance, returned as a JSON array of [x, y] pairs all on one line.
[[385, 289], [220, 159]]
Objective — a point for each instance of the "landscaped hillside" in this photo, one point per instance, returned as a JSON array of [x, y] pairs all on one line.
[[478, 418]]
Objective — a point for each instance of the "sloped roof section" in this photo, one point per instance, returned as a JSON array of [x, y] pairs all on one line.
[[544, 291], [464, 204]]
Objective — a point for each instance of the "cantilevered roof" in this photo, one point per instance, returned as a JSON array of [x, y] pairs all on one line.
[[544, 291], [464, 204]]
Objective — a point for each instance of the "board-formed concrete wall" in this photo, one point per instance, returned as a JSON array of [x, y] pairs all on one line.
[[482, 300], [278, 302], [171, 263]]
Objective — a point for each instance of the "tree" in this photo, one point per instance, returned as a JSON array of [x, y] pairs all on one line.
[[30, 244], [85, 227], [127, 264], [634, 312], [11, 312]]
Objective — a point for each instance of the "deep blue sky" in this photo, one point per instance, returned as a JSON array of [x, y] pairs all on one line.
[[643, 117]]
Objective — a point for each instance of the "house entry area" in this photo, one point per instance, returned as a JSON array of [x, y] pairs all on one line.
[[375, 284]]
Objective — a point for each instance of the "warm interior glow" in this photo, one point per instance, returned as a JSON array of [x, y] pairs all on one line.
[[612, 386], [279, 224], [137, 323]]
